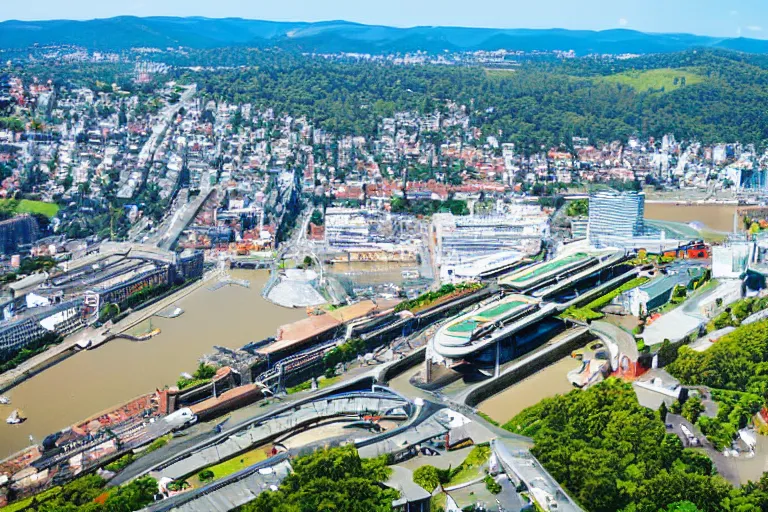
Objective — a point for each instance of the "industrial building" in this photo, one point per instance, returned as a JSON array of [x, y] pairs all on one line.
[[656, 293], [64, 302]]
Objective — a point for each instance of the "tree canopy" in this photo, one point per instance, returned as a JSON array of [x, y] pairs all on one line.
[[538, 104], [610, 454], [330, 479]]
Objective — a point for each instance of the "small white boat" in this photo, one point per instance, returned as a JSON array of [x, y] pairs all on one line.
[[4, 400], [16, 417]]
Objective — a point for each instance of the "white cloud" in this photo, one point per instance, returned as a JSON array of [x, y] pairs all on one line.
[[623, 22], [754, 28]]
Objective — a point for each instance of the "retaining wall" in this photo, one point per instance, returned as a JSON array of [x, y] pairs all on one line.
[[525, 368]]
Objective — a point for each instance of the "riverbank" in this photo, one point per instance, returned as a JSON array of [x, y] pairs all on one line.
[[92, 337], [120, 370], [548, 382]]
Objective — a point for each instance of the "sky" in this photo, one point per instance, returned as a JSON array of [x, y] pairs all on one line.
[[731, 18]]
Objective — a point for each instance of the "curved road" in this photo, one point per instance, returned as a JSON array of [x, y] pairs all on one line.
[[621, 338]]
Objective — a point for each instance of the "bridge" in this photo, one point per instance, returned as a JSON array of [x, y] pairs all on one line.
[[292, 417], [227, 281], [523, 467]]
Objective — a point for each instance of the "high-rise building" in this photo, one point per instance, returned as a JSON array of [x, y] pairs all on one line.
[[615, 218]]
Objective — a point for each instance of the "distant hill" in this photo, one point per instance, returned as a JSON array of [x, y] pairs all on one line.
[[335, 36]]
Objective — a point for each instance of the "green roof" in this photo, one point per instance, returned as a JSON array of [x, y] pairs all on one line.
[[545, 268], [663, 285], [499, 310], [468, 325]]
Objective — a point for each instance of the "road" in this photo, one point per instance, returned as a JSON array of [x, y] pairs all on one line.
[[725, 465], [624, 340], [147, 153], [182, 212]]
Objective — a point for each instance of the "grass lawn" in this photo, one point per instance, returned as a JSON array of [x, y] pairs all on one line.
[[473, 466], [655, 79], [28, 206], [233, 465], [324, 383]]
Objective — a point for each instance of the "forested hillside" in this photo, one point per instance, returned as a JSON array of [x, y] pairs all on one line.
[[610, 454], [718, 96]]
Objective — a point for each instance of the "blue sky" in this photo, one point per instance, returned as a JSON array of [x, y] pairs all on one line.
[[748, 18]]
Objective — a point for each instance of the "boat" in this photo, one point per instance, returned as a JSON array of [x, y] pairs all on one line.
[[410, 274], [16, 417], [4, 400]]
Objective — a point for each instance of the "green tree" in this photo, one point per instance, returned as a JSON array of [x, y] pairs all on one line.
[[610, 453], [427, 477], [316, 218], [663, 411], [330, 479], [683, 506]]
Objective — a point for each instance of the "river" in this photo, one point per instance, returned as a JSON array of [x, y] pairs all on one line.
[[545, 383], [717, 217], [98, 379], [503, 406]]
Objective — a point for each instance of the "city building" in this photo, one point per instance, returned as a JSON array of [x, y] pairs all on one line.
[[62, 319], [615, 218]]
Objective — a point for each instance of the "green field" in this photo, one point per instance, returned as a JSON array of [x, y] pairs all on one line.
[[656, 80], [232, 465], [29, 206]]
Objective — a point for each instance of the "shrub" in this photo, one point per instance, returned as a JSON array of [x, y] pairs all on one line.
[[206, 475], [120, 463], [427, 477], [492, 485]]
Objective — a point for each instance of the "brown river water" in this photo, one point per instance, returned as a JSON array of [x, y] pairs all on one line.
[[717, 217], [503, 406], [548, 382], [95, 380]]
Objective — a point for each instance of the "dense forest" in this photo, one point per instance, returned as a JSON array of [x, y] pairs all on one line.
[[536, 104], [737, 362], [610, 454]]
